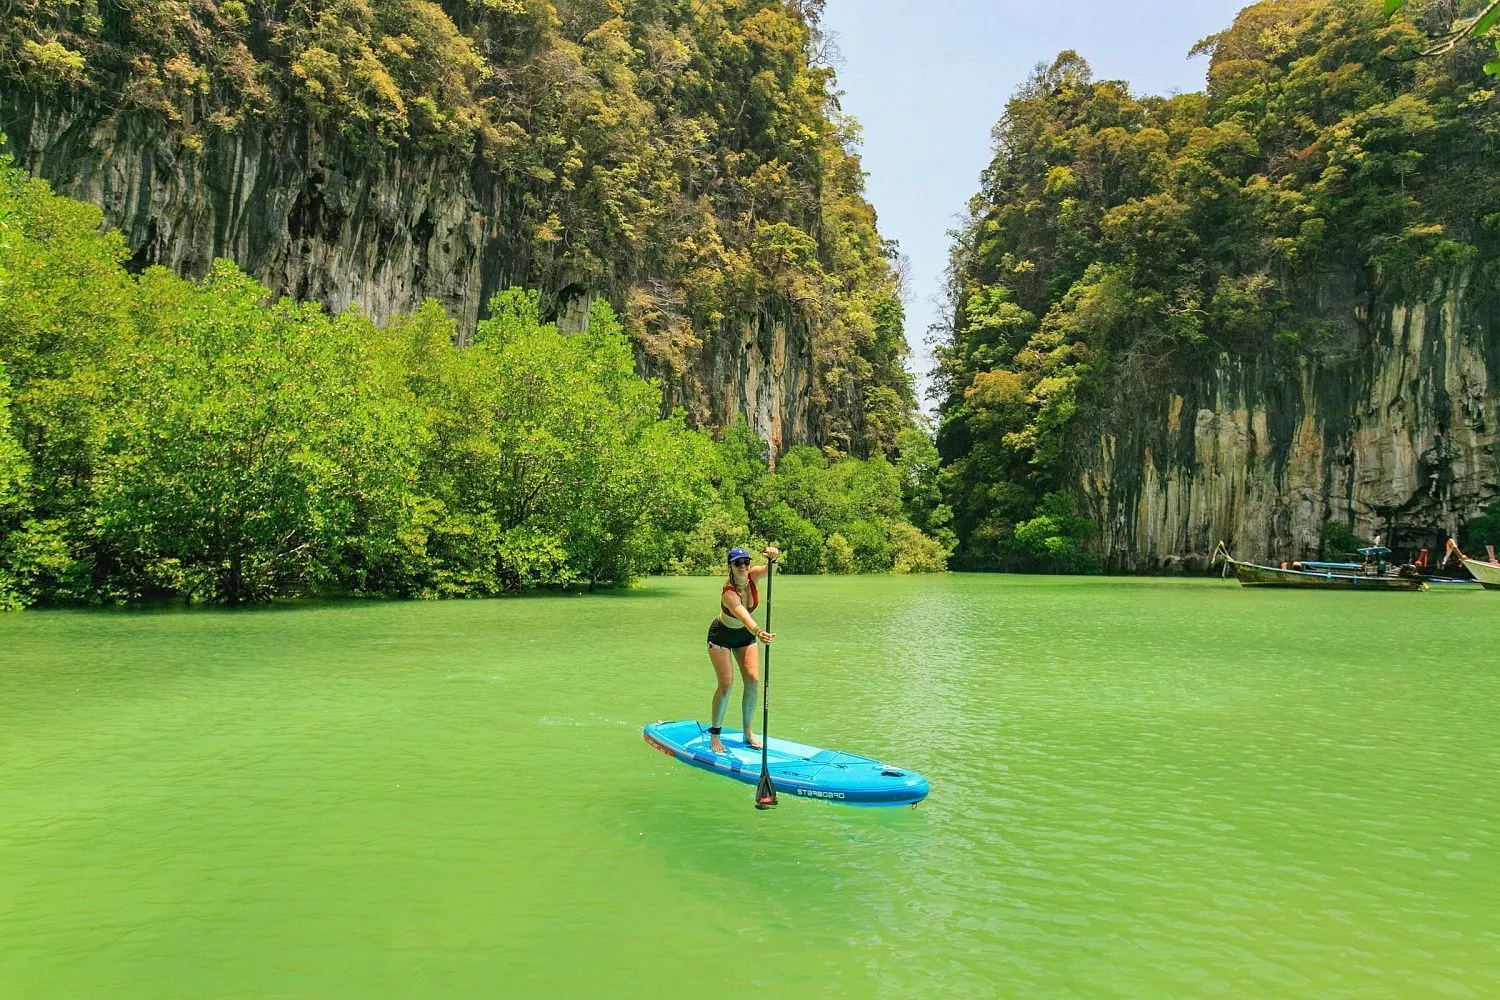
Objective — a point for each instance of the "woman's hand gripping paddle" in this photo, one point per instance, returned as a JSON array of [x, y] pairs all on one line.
[[765, 791]]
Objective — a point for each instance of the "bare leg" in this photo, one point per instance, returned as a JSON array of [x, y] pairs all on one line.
[[723, 662], [749, 659]]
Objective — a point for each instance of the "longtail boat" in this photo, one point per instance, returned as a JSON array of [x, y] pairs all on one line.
[[1487, 573], [1322, 575]]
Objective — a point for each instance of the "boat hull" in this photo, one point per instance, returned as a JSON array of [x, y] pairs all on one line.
[[1487, 573], [1255, 575]]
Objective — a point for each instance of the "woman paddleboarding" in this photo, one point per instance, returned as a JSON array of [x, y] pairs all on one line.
[[731, 640]]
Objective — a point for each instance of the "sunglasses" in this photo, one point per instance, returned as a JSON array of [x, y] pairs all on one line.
[[740, 562]]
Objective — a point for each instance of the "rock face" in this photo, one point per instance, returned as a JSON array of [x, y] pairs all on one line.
[[281, 208], [1398, 441], [761, 368], [310, 221]]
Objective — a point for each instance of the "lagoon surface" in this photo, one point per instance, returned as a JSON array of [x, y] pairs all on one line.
[[1140, 788]]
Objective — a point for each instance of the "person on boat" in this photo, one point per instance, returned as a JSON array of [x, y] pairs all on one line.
[[731, 640]]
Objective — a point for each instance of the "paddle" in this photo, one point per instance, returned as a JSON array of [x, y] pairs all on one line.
[[765, 792]]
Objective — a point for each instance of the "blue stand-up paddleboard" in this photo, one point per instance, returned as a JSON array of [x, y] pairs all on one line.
[[795, 769]]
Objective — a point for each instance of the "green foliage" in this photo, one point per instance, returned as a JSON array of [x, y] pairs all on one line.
[[839, 515], [160, 437], [1122, 247], [259, 447], [13, 470], [1477, 27], [919, 467], [916, 552], [800, 541], [45, 560], [1338, 541], [870, 541], [550, 464], [741, 462], [828, 513], [1055, 540], [701, 551], [1481, 532], [838, 555], [65, 307]]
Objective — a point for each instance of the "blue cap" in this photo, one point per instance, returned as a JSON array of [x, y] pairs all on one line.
[[738, 553]]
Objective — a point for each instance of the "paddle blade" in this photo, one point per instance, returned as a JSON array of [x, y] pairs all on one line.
[[765, 792]]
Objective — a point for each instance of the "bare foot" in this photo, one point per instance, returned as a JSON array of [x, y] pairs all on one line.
[[716, 745], [751, 741]]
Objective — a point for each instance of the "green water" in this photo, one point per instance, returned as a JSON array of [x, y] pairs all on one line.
[[1140, 788]]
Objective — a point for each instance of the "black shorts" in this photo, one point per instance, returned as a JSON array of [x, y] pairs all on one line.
[[720, 634]]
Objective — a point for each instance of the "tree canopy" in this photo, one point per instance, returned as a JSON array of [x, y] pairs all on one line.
[[200, 440]]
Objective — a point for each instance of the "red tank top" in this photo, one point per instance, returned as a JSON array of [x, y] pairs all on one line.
[[753, 603]]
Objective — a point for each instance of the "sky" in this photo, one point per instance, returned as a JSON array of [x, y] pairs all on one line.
[[928, 79]]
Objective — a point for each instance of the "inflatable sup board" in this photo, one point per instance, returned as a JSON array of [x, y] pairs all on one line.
[[796, 770]]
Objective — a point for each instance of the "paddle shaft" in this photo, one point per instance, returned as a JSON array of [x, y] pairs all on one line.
[[765, 701], [765, 791]]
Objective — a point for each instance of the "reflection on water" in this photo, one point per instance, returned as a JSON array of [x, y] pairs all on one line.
[[1140, 788]]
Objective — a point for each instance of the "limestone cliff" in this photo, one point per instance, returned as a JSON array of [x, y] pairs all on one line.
[[684, 159], [1262, 314], [312, 223], [1400, 440]]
